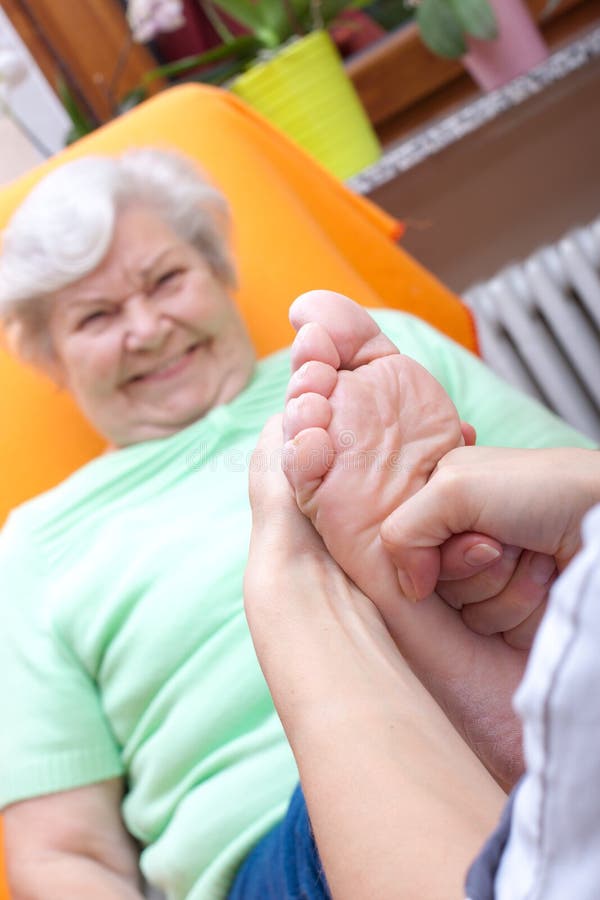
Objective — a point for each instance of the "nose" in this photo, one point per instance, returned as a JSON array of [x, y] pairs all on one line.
[[146, 327]]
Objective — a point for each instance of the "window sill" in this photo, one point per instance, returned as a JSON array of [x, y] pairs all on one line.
[[403, 85]]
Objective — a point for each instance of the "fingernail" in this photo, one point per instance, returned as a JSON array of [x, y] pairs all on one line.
[[480, 554], [541, 568], [407, 587]]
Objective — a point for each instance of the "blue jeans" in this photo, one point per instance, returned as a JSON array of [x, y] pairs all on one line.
[[481, 877], [285, 865]]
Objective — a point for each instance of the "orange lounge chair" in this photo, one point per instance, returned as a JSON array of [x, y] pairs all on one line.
[[295, 228]]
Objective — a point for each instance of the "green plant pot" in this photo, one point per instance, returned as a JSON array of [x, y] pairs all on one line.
[[304, 91]]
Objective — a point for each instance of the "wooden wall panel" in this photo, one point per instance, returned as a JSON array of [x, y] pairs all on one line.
[[31, 38], [88, 41]]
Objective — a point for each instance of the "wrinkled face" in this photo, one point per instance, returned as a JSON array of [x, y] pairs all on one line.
[[150, 340]]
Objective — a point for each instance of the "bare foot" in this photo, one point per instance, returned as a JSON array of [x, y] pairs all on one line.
[[364, 428]]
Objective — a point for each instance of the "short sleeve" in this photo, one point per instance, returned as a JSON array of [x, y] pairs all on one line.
[[53, 734], [502, 415]]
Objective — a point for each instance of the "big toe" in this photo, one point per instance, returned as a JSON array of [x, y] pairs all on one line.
[[313, 343], [355, 336]]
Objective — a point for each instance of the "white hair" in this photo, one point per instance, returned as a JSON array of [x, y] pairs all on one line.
[[64, 228]]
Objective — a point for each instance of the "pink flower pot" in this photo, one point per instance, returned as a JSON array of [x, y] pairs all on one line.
[[518, 47]]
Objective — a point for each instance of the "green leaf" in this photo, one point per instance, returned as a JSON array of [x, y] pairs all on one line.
[[389, 14], [476, 17], [284, 18], [323, 13], [266, 19], [331, 9], [243, 11], [82, 124], [440, 29], [304, 15], [244, 46], [273, 22], [220, 73], [131, 99]]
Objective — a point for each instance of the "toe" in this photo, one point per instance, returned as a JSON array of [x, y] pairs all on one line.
[[306, 411], [356, 337], [313, 343], [313, 377], [305, 461]]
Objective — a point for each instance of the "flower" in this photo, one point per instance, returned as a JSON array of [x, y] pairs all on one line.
[[13, 68], [147, 18]]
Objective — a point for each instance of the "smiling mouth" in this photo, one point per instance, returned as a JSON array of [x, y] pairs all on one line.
[[170, 368]]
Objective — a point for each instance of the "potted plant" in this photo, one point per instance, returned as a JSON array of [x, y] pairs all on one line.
[[286, 66], [496, 39]]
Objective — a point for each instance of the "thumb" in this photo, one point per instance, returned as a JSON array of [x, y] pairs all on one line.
[[414, 533]]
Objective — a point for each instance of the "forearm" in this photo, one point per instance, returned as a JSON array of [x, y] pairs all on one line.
[[398, 803], [58, 876], [71, 844]]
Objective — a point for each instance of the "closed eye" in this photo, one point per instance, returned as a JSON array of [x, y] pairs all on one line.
[[96, 316], [167, 277]]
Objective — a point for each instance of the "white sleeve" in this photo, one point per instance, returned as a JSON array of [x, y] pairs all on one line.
[[554, 846]]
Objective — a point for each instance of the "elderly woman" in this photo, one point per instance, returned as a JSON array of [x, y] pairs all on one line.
[[135, 709]]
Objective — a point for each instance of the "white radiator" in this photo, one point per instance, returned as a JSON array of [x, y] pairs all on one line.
[[539, 326]]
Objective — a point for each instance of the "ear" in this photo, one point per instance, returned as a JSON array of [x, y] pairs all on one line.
[[55, 373], [35, 350], [45, 359], [469, 434]]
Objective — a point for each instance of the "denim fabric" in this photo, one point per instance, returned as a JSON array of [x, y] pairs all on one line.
[[285, 865], [482, 874]]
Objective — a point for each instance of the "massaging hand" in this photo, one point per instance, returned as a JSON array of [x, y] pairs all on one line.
[[531, 499], [499, 588]]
